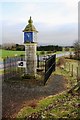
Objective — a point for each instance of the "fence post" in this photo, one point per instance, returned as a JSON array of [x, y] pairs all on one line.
[[4, 69], [69, 67], [45, 73], [16, 65], [20, 67], [55, 63], [72, 71], [77, 74], [38, 61], [78, 70], [9, 62]]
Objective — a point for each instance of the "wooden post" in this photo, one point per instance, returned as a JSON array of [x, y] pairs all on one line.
[[77, 74], [72, 71], [69, 67], [78, 70]]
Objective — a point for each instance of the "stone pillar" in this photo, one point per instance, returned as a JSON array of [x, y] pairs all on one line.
[[31, 59]]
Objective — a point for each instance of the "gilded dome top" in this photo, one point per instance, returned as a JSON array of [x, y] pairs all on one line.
[[30, 27]]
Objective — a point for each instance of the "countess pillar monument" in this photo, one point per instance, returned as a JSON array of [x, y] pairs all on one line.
[[30, 41]]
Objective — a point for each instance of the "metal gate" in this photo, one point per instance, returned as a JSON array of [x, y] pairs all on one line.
[[50, 65], [11, 68]]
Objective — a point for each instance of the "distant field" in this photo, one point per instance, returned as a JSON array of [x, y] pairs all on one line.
[[9, 53]]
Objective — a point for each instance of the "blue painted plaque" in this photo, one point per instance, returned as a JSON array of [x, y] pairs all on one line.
[[28, 37]]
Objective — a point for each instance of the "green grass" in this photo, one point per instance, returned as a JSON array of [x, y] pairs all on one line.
[[40, 106], [63, 103], [59, 52], [67, 73], [70, 64], [9, 53], [1, 72], [65, 108], [25, 111]]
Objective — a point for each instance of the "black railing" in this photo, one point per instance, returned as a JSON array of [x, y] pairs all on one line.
[[11, 67], [50, 64]]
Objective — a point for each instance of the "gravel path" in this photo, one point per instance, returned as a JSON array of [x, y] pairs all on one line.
[[19, 94]]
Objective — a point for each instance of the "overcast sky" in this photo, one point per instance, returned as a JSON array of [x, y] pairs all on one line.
[[56, 20]]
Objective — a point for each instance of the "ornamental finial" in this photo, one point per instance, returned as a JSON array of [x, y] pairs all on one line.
[[30, 21]]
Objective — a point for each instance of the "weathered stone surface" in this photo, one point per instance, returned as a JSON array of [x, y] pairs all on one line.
[[31, 59]]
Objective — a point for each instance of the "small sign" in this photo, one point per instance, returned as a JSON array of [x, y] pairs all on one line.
[[22, 64]]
